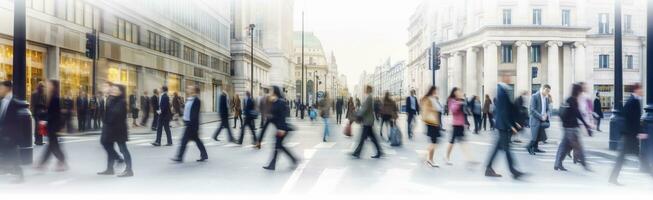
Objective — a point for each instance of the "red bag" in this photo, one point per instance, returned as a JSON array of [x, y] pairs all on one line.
[[42, 128], [347, 130]]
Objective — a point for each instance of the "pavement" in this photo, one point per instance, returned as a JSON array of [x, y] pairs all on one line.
[[327, 169]]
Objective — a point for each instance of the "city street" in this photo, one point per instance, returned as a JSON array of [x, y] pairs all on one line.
[[326, 169]]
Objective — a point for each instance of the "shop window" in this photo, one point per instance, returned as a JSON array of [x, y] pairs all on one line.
[[75, 74], [173, 81], [35, 66]]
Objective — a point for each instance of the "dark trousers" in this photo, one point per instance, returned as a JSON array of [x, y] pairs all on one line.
[[536, 137], [53, 148], [99, 119], [339, 117], [92, 119], [146, 116], [38, 139], [191, 133], [224, 123], [411, 119], [629, 145], [263, 121], [477, 123], [236, 118], [278, 146], [263, 129], [488, 117], [81, 121], [155, 121], [302, 114], [570, 141], [368, 132], [163, 125], [249, 123], [503, 143], [598, 124], [112, 155], [10, 159]]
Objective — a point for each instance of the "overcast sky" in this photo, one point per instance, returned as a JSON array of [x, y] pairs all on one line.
[[361, 33]]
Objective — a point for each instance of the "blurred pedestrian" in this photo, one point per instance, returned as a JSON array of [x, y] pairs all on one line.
[[82, 111], [598, 111], [38, 108], [278, 115], [339, 107], [522, 114], [115, 131], [92, 112], [67, 109], [133, 109], [264, 106], [165, 115], [412, 109], [101, 109], [506, 126], [325, 112], [177, 103], [250, 117], [53, 124], [488, 110], [223, 110], [350, 115], [570, 115], [631, 133], [477, 112], [191, 118], [456, 104], [154, 103], [9, 131], [366, 116], [540, 111], [145, 108], [431, 115], [389, 113], [238, 110]]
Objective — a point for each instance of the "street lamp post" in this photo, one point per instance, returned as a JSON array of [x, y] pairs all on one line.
[[251, 71], [615, 125], [648, 115], [303, 99], [24, 137], [317, 85]]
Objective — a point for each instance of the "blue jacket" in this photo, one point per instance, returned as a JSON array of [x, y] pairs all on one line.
[[504, 112]]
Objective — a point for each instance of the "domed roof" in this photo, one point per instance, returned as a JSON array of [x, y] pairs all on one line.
[[310, 40]]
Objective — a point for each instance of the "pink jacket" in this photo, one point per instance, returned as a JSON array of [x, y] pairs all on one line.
[[455, 108]]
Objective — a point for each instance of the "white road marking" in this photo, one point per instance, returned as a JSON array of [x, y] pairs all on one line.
[[327, 181], [292, 180], [61, 182], [325, 145], [309, 153]]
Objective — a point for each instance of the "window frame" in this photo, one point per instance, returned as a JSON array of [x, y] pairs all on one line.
[[604, 61], [507, 16], [537, 16], [566, 17]]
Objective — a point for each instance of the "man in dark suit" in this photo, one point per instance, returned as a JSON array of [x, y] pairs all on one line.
[[165, 115], [412, 108], [223, 108], [504, 114], [145, 107], [101, 108], [191, 117], [539, 115], [9, 133], [92, 112], [598, 111], [82, 107], [631, 134], [250, 115], [154, 102], [38, 108], [339, 106]]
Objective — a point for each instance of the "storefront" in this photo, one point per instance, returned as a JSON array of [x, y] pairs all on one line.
[[75, 74], [120, 73], [173, 81], [35, 57]]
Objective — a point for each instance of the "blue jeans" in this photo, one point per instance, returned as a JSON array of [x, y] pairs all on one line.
[[326, 127]]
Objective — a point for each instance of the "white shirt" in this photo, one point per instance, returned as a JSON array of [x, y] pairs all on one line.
[[543, 99], [413, 103], [187, 108], [5, 105]]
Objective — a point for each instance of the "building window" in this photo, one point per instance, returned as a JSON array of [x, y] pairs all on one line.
[[506, 53], [536, 54], [507, 17], [189, 54], [604, 23], [45, 6], [566, 17], [628, 23], [604, 61], [215, 63], [126, 30], [537, 16], [203, 59], [77, 11], [198, 72], [173, 48], [629, 62]]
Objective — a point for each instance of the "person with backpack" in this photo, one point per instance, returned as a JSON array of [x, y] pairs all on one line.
[[569, 115]]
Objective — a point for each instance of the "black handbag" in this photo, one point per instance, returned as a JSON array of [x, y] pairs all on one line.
[[545, 124]]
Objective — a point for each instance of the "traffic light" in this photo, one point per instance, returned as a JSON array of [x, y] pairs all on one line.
[[434, 57], [90, 45]]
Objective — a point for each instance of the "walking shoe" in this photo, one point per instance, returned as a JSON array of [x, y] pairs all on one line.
[[127, 173], [156, 144], [106, 172], [489, 172]]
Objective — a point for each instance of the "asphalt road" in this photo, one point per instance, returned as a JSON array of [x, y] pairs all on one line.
[[326, 168]]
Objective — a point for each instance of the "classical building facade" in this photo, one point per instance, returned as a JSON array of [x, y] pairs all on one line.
[[321, 73], [143, 44], [555, 42]]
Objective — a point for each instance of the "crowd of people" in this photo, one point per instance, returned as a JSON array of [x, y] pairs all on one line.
[[110, 109]]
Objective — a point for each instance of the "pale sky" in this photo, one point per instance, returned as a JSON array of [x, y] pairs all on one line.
[[361, 33]]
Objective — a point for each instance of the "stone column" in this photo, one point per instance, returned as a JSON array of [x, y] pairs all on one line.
[[580, 70], [490, 65], [442, 78], [457, 70], [567, 70], [522, 82], [553, 72], [471, 72]]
